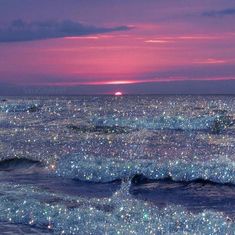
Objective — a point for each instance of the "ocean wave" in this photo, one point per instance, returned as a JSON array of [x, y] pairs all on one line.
[[214, 123], [16, 229], [97, 169], [163, 191], [20, 164], [15, 108], [101, 129], [120, 214]]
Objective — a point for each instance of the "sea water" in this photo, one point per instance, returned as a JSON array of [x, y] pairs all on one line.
[[117, 165]]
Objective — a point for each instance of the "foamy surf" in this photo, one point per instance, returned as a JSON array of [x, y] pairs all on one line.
[[120, 214], [98, 169]]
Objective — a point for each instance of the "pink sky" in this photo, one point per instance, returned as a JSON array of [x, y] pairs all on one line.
[[179, 49]]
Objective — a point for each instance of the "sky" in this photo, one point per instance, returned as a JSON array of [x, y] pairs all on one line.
[[103, 46]]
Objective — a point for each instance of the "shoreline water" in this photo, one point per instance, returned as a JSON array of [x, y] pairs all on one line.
[[182, 176]]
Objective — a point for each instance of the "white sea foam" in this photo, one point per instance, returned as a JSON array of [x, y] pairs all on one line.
[[98, 169], [120, 214], [205, 122]]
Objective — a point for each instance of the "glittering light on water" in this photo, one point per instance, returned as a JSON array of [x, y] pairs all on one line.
[[101, 139]]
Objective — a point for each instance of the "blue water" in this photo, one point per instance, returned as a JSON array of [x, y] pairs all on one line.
[[117, 165]]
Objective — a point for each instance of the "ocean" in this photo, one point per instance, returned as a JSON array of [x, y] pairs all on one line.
[[117, 165]]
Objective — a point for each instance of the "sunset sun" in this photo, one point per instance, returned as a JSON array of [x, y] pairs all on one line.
[[118, 93]]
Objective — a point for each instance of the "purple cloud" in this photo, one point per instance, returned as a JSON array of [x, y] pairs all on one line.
[[220, 13], [19, 30]]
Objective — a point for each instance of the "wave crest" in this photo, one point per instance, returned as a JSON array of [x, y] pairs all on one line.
[[15, 108], [214, 123], [20, 164], [97, 169]]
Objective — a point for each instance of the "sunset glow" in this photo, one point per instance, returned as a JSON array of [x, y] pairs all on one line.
[[112, 51]]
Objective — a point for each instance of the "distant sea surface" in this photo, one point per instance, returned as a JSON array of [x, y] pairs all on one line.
[[117, 165]]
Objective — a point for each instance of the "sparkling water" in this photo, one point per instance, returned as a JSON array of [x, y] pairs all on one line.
[[117, 165]]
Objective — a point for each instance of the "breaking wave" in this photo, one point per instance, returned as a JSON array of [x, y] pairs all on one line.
[[214, 123], [120, 214], [97, 169], [21, 165]]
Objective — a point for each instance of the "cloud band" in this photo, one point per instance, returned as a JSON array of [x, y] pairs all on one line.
[[19, 30]]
